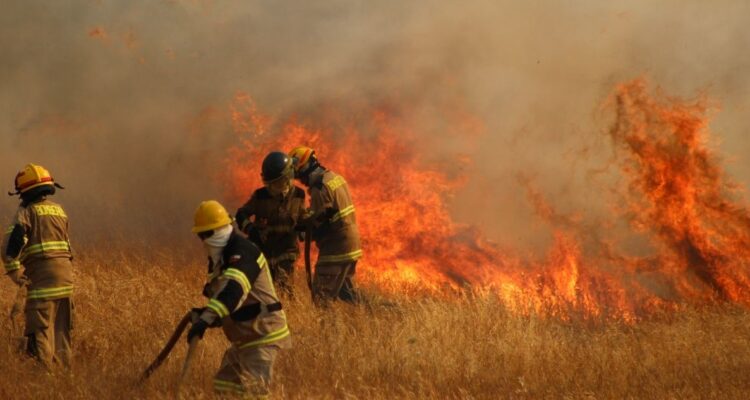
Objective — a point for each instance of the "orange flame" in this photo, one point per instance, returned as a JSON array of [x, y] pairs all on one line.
[[677, 195]]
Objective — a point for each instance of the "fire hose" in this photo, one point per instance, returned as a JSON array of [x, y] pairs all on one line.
[[308, 265]]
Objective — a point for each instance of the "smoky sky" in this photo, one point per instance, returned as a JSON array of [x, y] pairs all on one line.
[[125, 101]]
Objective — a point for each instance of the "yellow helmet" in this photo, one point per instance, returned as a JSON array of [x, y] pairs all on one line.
[[32, 176], [301, 156], [209, 216]]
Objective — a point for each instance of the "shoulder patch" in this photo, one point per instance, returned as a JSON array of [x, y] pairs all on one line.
[[336, 183], [234, 258]]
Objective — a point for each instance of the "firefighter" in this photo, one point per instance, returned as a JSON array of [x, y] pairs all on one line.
[[270, 215], [37, 254], [243, 301], [335, 226]]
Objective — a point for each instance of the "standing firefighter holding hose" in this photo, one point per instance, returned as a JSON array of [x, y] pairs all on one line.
[[37, 254], [243, 301], [275, 209], [334, 227]]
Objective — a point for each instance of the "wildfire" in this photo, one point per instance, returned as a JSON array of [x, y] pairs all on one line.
[[677, 196]]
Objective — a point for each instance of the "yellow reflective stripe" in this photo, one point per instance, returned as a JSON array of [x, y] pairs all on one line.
[[218, 307], [13, 265], [335, 183], [223, 386], [343, 213], [46, 246], [51, 292], [262, 263], [240, 277], [10, 229], [46, 209], [270, 338], [354, 255]]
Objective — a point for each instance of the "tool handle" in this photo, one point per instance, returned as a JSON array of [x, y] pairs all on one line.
[[189, 357], [167, 347]]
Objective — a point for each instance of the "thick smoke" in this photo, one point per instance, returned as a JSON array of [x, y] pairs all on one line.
[[126, 102]]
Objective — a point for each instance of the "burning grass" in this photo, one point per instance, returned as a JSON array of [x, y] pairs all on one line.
[[678, 199], [397, 346]]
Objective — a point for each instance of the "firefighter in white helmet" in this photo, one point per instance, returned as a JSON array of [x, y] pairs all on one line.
[[36, 252], [243, 301], [335, 226]]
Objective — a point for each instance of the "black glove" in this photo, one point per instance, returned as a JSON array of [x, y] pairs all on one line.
[[198, 329], [195, 314], [254, 235], [330, 212]]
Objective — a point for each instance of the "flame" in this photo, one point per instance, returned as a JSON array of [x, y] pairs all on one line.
[[678, 196]]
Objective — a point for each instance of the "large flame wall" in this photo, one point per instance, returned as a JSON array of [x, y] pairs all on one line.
[[677, 197]]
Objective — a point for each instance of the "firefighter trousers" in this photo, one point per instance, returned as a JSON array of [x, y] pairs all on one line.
[[246, 372], [282, 273], [48, 326], [335, 281]]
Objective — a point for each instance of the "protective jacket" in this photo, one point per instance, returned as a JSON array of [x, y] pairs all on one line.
[[38, 240], [242, 296], [337, 238], [274, 219]]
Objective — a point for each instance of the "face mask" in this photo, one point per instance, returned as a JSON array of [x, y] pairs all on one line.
[[215, 243]]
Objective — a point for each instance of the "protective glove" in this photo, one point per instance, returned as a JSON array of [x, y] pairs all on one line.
[[330, 212], [195, 314], [254, 234], [198, 329]]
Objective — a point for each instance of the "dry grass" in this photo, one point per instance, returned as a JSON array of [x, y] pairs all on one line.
[[428, 348]]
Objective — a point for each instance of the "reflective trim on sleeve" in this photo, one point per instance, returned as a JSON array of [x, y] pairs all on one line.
[[335, 258], [50, 293], [268, 339], [240, 277], [262, 263], [227, 386], [218, 307], [343, 213], [12, 266], [10, 230]]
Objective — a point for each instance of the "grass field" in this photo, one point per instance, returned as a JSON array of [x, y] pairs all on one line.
[[395, 347]]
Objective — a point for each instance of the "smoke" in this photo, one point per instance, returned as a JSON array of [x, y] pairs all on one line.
[[127, 102]]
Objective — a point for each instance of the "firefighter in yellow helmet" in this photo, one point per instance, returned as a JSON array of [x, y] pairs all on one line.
[[36, 252], [270, 215], [243, 301], [335, 226]]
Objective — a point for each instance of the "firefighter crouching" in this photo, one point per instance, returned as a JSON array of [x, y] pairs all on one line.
[[243, 301], [37, 253], [335, 227], [270, 215]]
